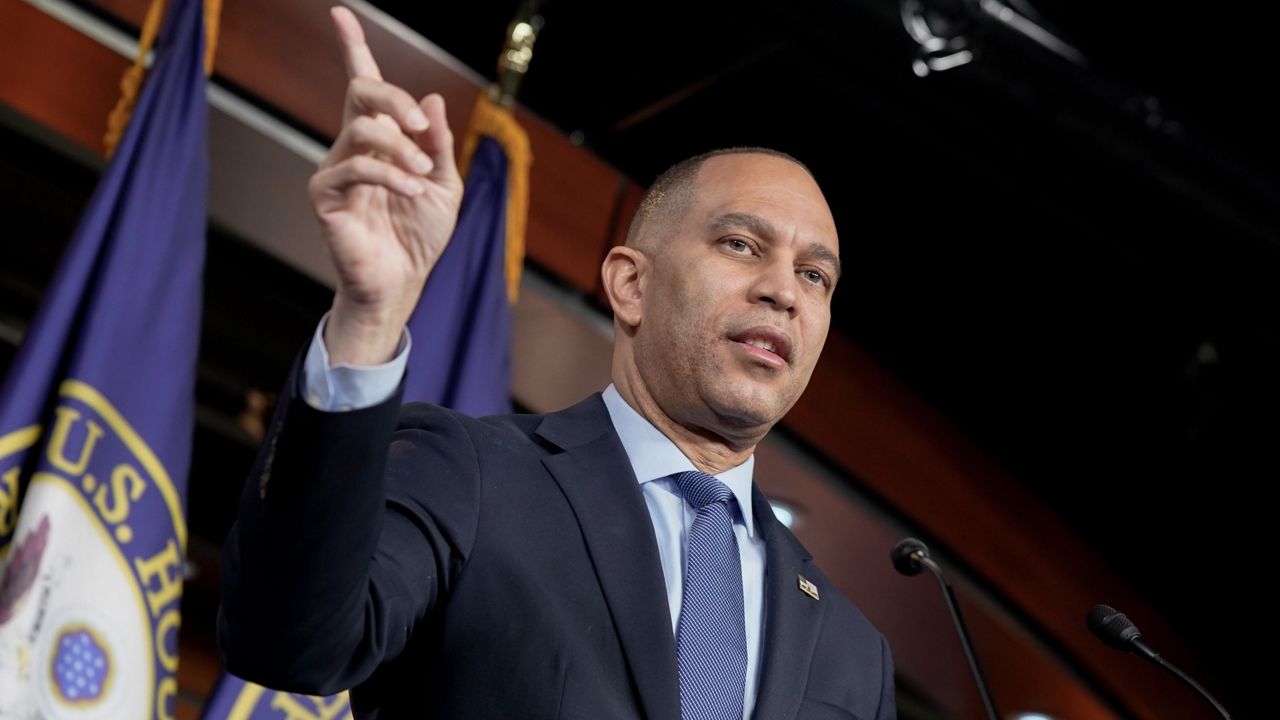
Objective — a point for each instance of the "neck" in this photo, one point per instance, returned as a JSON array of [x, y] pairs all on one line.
[[711, 449]]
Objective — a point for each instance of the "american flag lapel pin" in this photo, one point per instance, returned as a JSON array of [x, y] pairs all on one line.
[[807, 586]]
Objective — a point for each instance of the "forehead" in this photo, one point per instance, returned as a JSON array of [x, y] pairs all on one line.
[[772, 188]]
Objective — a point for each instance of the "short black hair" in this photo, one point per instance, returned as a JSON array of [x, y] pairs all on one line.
[[670, 195]]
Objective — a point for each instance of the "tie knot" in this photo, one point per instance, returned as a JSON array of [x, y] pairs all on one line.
[[701, 489]]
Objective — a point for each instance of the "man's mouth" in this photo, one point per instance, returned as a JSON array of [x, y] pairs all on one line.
[[767, 344]]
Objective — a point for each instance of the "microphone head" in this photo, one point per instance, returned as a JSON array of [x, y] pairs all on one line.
[[902, 556], [1112, 627]]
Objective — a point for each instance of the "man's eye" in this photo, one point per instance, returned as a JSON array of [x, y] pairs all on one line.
[[815, 277], [737, 245]]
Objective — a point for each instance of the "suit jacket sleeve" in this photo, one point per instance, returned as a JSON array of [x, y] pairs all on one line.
[[350, 530]]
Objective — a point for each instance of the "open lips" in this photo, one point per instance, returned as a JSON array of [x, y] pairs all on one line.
[[765, 343]]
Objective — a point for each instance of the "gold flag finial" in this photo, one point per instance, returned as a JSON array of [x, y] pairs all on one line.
[[517, 52]]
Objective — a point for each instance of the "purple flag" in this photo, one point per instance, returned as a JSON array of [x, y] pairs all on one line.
[[461, 328], [96, 418]]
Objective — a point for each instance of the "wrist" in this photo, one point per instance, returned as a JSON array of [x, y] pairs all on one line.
[[361, 335]]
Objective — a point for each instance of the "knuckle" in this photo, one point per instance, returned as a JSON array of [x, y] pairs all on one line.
[[332, 156], [404, 101], [319, 184], [363, 128], [406, 146], [353, 91], [359, 166], [365, 92], [359, 85], [388, 124]]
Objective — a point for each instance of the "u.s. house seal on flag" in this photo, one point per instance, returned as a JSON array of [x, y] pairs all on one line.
[[91, 575]]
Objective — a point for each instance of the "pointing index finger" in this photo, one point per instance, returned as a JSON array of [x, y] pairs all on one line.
[[355, 52]]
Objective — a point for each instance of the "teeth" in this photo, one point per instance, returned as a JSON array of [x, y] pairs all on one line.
[[760, 343]]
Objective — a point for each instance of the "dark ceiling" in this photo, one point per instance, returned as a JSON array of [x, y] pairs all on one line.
[[1075, 262]]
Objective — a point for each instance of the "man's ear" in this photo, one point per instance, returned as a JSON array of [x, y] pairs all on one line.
[[623, 273]]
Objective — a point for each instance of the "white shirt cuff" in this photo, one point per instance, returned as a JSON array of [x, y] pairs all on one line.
[[350, 387]]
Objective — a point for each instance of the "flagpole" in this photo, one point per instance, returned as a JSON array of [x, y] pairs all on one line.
[[517, 52]]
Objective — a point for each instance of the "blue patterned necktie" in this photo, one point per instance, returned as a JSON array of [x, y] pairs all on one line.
[[711, 636]]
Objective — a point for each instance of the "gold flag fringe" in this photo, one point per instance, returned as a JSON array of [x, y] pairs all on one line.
[[493, 121], [131, 81]]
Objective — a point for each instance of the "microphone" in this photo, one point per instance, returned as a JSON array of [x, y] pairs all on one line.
[[910, 557], [907, 555], [1116, 630]]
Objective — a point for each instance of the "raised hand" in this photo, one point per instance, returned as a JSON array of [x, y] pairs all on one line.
[[387, 196]]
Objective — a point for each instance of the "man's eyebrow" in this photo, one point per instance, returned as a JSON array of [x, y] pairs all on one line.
[[823, 254], [744, 221], [757, 225]]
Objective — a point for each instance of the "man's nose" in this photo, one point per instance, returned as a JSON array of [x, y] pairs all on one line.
[[776, 285]]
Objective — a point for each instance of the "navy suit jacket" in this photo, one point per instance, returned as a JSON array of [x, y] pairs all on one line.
[[504, 567]]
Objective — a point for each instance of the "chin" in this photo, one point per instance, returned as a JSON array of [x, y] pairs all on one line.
[[739, 404]]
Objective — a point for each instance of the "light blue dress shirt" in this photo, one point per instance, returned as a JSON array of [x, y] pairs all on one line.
[[653, 456], [350, 387]]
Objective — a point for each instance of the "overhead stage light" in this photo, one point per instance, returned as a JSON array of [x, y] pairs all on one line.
[[943, 30]]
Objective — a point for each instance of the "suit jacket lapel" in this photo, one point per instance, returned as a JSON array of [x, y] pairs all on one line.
[[596, 478], [792, 618]]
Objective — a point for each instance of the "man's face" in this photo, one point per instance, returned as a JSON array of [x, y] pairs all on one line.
[[738, 301]]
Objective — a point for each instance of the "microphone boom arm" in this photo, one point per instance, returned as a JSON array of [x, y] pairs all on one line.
[[909, 557]]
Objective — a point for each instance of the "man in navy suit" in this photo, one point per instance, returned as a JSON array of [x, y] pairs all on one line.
[[612, 560]]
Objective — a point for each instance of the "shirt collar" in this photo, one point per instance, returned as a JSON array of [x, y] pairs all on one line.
[[653, 456]]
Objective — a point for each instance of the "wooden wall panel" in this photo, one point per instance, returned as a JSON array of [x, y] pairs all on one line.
[[56, 76], [575, 194]]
